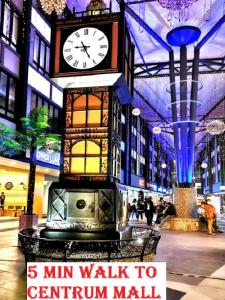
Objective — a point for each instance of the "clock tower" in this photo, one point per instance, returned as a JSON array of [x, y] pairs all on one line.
[[93, 63]]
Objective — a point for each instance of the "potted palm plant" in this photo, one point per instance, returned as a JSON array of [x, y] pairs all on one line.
[[33, 134]]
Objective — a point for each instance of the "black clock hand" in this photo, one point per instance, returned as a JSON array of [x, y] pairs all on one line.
[[85, 49]]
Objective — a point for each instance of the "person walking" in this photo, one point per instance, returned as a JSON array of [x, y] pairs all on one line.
[[134, 209], [210, 214], [149, 210], [140, 209]]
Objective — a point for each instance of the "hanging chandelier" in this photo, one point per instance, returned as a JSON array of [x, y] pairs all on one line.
[[176, 4], [215, 127], [53, 5], [177, 8]]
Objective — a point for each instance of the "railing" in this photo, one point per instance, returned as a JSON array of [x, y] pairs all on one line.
[[141, 247]]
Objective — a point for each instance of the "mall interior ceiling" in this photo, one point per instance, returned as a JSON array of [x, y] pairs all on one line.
[[149, 24]]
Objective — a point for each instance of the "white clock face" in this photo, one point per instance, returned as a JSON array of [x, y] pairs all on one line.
[[85, 48]]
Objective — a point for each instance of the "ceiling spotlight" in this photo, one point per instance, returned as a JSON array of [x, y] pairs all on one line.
[[136, 111], [163, 165], [215, 127], [204, 165], [156, 130]]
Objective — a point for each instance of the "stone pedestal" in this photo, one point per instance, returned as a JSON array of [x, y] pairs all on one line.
[[26, 221], [185, 203]]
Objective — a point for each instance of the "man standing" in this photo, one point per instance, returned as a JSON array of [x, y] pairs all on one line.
[[210, 214], [149, 210]]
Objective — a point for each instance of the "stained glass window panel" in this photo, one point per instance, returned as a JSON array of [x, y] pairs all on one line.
[[77, 165], [79, 119], [94, 102], [92, 148], [92, 165], [94, 118], [79, 148], [80, 103]]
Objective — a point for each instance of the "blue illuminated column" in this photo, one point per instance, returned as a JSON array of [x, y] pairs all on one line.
[[184, 103]]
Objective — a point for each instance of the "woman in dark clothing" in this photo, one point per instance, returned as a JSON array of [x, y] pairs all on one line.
[[149, 210], [140, 209], [134, 209], [170, 211]]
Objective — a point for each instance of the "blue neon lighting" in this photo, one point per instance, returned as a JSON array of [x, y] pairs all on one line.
[[183, 35]]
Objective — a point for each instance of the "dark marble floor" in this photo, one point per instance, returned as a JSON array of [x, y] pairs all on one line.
[[188, 255]]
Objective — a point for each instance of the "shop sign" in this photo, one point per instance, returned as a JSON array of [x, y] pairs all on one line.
[[48, 156]]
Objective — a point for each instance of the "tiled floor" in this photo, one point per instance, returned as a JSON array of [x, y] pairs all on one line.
[[185, 253]]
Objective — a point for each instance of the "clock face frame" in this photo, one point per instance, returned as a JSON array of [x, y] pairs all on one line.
[[85, 48]]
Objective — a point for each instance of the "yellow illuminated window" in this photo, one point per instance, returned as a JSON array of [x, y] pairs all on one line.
[[79, 148], [79, 118], [92, 164], [92, 148], [94, 118], [94, 102], [77, 165], [80, 103]]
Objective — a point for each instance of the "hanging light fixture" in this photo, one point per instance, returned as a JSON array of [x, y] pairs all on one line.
[[156, 130], [215, 127], [175, 6], [204, 165], [136, 111], [163, 166], [53, 5]]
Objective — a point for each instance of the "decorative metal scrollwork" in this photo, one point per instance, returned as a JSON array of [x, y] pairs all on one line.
[[140, 247]]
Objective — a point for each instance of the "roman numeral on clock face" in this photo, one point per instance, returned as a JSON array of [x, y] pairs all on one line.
[[84, 65], [101, 54], [69, 57], [103, 46], [76, 63], [101, 38], [85, 31], [77, 34], [67, 50]]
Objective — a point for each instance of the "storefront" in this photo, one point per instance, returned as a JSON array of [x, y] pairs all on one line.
[[135, 193], [14, 185]]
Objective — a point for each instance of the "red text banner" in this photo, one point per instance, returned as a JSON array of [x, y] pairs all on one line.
[[96, 281]]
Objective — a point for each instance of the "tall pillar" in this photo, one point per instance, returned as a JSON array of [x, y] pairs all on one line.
[[184, 105]]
